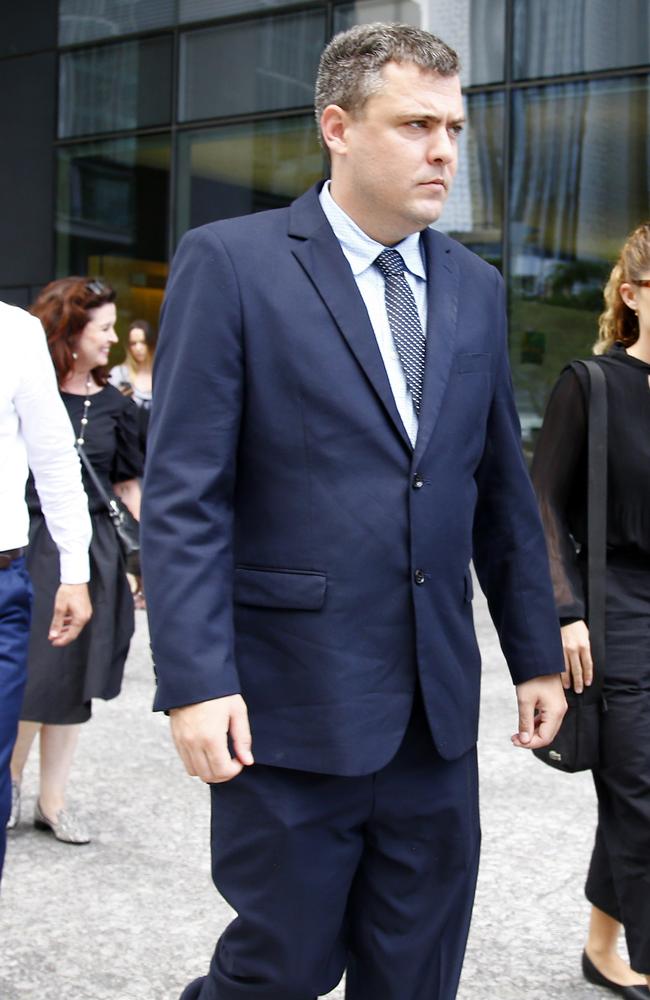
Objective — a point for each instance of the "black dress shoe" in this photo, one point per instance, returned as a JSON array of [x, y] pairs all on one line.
[[596, 978], [192, 991]]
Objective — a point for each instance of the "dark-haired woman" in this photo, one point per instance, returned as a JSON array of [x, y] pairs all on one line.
[[78, 315], [133, 376], [618, 884], [134, 379]]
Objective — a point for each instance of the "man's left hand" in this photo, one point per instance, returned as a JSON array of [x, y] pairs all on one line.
[[72, 609], [542, 706]]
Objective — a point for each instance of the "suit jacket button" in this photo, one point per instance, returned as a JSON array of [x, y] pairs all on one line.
[[418, 481], [418, 576]]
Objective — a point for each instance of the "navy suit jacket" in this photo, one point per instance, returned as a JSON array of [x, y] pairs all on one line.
[[296, 548]]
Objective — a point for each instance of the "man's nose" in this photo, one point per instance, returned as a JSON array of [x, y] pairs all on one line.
[[442, 149]]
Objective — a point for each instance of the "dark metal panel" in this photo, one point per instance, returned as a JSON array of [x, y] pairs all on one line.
[[27, 123], [27, 26]]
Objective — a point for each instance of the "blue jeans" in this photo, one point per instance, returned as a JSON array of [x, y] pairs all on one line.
[[15, 610]]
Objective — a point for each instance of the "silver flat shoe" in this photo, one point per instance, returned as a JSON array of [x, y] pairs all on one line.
[[14, 815], [66, 827]]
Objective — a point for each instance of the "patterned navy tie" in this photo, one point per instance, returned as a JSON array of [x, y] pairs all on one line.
[[404, 322]]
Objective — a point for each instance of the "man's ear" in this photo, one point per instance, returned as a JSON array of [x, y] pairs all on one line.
[[333, 124]]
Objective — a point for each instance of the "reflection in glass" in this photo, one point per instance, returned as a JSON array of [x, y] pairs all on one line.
[[205, 10], [86, 20], [370, 11], [113, 219], [580, 182], [114, 87], [474, 211], [261, 65], [234, 170], [576, 36], [475, 28]]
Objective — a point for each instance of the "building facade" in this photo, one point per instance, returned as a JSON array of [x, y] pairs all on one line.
[[126, 122]]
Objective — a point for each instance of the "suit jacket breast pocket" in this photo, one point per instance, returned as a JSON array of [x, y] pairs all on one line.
[[466, 363], [469, 394]]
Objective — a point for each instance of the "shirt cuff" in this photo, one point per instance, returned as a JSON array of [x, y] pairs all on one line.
[[75, 567]]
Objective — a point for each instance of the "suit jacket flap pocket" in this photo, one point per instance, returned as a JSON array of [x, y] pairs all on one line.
[[473, 362], [280, 588]]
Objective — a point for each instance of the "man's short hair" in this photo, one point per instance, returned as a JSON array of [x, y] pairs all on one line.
[[350, 67]]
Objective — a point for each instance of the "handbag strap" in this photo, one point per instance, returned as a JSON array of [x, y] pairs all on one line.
[[110, 503], [596, 516]]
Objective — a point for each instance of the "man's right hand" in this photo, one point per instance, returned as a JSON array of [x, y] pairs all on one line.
[[201, 731], [72, 610]]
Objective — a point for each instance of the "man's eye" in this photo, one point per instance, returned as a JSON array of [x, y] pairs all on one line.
[[456, 130]]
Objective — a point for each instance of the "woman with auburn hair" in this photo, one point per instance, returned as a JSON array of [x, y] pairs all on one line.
[[78, 315], [618, 883]]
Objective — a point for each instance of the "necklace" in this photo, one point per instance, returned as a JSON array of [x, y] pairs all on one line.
[[81, 440]]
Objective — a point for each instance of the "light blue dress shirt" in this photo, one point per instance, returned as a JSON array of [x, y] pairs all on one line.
[[361, 251]]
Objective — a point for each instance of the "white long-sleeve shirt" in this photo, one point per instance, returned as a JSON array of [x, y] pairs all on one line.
[[36, 433]]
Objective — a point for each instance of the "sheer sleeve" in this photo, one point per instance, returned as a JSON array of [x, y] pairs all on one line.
[[559, 478], [128, 459]]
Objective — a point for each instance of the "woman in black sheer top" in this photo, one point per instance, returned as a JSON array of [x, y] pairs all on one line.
[[618, 883]]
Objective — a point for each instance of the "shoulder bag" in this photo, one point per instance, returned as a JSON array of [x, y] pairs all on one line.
[[576, 746], [126, 527]]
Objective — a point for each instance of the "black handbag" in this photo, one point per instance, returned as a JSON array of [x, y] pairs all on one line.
[[126, 527], [576, 746]]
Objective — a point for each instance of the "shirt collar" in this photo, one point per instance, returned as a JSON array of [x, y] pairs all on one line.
[[360, 249]]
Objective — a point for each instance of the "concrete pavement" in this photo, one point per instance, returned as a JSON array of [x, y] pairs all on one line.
[[134, 915]]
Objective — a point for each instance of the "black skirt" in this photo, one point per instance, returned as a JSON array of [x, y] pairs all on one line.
[[61, 683]]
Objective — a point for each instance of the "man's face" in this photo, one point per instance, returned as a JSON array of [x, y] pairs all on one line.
[[393, 168]]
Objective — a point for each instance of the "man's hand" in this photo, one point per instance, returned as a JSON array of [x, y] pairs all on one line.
[[545, 696], [72, 609], [201, 732], [579, 668]]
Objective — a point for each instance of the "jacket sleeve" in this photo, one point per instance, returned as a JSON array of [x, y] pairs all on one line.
[[49, 439], [509, 548], [558, 472], [187, 513]]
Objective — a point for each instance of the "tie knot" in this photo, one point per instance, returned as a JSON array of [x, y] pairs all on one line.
[[390, 262]]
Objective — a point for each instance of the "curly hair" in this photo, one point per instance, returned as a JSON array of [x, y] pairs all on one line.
[[63, 308], [618, 321]]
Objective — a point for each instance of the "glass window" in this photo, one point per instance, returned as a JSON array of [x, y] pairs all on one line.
[[113, 219], [576, 36], [261, 65], [475, 28], [206, 10], [369, 11], [580, 181], [115, 87], [474, 211], [238, 169], [87, 20]]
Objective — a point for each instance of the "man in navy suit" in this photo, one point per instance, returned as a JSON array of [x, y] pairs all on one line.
[[333, 441]]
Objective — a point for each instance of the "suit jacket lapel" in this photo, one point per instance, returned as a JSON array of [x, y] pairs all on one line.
[[442, 314], [322, 259]]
